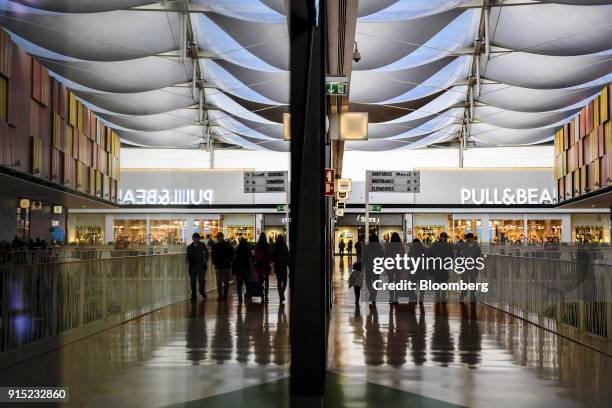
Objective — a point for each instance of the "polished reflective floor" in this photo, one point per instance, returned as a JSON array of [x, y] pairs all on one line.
[[468, 355], [217, 354]]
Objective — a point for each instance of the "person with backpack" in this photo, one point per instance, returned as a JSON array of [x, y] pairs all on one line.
[[280, 259], [262, 261]]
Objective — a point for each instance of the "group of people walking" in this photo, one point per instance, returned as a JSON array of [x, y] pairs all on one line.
[[349, 248], [441, 248], [251, 268]]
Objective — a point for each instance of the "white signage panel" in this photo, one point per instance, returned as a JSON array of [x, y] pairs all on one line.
[[265, 181], [393, 181]]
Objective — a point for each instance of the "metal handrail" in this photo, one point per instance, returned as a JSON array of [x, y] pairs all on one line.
[[571, 297]]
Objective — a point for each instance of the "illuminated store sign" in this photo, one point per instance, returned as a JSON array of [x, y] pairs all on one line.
[[166, 197], [373, 220], [507, 196]]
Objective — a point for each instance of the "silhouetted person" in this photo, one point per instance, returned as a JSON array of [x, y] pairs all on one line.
[[341, 246], [280, 258], [417, 250], [349, 248], [356, 280], [393, 249], [222, 256], [371, 251], [470, 250], [241, 266], [441, 249], [197, 261], [262, 261], [358, 249]]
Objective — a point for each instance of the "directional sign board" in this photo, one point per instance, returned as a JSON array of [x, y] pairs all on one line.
[[385, 181], [265, 181]]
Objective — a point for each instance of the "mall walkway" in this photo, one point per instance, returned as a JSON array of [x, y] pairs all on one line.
[[458, 355], [224, 355]]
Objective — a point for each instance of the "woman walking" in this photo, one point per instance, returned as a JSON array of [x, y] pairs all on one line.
[[262, 261], [280, 258], [241, 267]]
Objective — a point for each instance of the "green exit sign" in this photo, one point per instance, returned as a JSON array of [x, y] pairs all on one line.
[[375, 207], [280, 208], [335, 88]]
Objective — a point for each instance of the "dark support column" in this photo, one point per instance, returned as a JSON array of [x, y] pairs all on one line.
[[308, 214]]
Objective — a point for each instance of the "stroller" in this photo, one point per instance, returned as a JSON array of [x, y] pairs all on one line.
[[254, 286]]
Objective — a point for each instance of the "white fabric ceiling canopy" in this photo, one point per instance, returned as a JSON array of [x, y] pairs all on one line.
[[126, 60]]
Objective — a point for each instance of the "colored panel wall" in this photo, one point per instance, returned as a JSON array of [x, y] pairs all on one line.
[[583, 150], [47, 132]]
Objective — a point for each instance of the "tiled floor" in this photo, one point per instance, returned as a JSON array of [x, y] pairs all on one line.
[[215, 354]]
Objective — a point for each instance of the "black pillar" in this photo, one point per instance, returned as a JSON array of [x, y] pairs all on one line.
[[308, 308]]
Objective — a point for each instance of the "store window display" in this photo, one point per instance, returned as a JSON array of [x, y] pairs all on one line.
[[507, 231], [168, 232], [206, 227], [130, 231], [462, 227], [541, 231]]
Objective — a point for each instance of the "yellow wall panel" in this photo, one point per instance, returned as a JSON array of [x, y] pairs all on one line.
[[603, 105]]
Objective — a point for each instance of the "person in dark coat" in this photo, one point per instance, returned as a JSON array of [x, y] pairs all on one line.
[[263, 260], [470, 250], [417, 250], [222, 256], [241, 266], [341, 246], [358, 248], [197, 261], [392, 249], [280, 259], [349, 248], [441, 249], [371, 251]]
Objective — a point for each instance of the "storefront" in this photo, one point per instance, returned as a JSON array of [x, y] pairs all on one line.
[[238, 226], [428, 227], [351, 227], [274, 225], [498, 206], [593, 228]]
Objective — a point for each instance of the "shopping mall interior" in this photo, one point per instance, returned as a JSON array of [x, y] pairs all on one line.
[[260, 156]]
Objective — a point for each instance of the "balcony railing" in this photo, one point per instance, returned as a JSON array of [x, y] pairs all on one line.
[[47, 304], [570, 297]]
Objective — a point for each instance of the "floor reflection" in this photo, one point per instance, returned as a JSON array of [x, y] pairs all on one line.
[[464, 354], [181, 353]]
